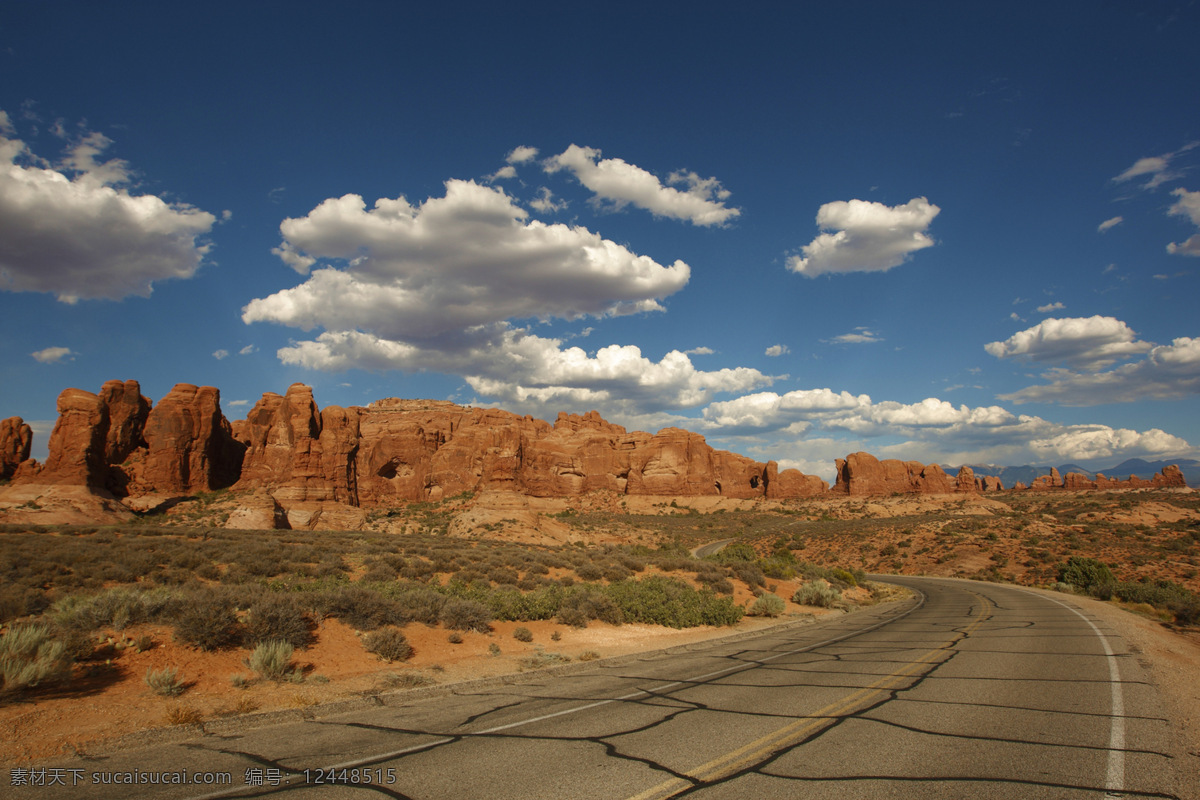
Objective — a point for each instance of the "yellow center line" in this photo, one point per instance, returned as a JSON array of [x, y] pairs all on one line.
[[796, 731]]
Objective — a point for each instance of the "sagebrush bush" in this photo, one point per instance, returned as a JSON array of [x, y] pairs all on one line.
[[165, 682], [209, 622], [466, 615], [523, 634], [362, 608], [388, 643], [278, 618], [32, 655], [767, 605], [817, 593], [272, 660], [665, 601]]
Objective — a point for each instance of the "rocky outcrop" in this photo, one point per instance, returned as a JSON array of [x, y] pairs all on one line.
[[991, 483], [1170, 477], [115, 442], [860, 474], [965, 480], [16, 438], [1051, 481], [189, 443]]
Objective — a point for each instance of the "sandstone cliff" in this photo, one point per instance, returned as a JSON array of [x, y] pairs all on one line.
[[314, 463]]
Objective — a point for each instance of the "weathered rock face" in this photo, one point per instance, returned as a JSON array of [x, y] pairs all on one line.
[[114, 441], [189, 443], [965, 480], [863, 474], [76, 445], [1170, 477], [16, 438], [992, 484]]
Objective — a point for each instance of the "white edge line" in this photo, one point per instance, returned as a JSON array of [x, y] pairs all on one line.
[[1114, 779]]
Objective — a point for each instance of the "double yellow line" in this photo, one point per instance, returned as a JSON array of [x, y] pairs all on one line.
[[797, 731]]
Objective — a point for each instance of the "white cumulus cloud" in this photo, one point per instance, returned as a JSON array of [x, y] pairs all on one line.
[[439, 286], [470, 258], [220, 354], [1046, 309], [53, 355], [77, 231], [777, 350], [522, 154], [1167, 372], [864, 236], [1081, 342], [612, 180]]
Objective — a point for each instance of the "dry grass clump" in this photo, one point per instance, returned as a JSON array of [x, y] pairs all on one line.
[[32, 655], [272, 660]]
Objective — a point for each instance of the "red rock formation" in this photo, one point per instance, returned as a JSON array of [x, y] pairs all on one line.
[[1170, 477], [1051, 481], [76, 445], [965, 480], [863, 474], [992, 484], [1076, 481], [16, 438], [189, 443]]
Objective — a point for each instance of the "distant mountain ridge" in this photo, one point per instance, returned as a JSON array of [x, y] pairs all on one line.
[[1138, 467]]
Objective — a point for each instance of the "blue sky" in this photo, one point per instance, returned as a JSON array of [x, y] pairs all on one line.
[[931, 231]]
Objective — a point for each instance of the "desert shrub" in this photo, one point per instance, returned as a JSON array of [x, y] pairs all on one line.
[[117, 608], [845, 576], [1187, 611], [767, 605], [722, 586], [749, 574], [542, 659], [362, 608], [466, 615], [271, 660], [165, 682], [389, 643], [209, 622], [574, 617], [1160, 593], [778, 568], [278, 618], [817, 593], [737, 551], [455, 638], [589, 572], [493, 649], [1088, 574], [523, 634], [594, 603], [666, 601], [504, 575], [422, 605], [31, 655], [1065, 588]]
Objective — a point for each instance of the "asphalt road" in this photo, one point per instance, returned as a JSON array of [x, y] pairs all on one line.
[[972, 691]]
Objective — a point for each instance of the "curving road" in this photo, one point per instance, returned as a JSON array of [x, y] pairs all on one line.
[[972, 690]]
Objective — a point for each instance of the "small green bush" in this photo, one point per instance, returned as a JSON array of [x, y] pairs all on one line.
[[767, 605], [272, 660], [523, 634], [388, 643], [1088, 574], [165, 682]]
